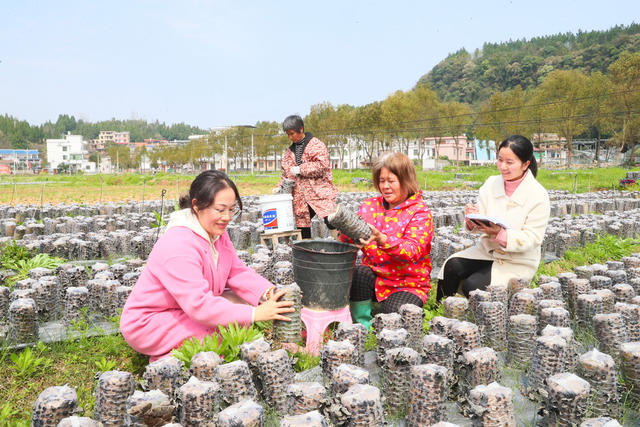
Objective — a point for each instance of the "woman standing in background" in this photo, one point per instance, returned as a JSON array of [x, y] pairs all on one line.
[[307, 163]]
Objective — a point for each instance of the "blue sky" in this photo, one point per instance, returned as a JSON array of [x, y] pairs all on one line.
[[217, 63]]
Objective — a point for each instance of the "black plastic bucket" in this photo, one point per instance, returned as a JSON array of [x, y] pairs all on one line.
[[323, 269]]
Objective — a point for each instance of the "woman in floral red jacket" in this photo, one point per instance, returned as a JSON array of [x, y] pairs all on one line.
[[396, 268], [307, 162]]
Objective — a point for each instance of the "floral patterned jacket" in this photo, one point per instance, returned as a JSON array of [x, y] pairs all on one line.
[[314, 185], [403, 262]]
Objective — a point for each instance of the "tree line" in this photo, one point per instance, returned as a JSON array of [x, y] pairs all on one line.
[[20, 134]]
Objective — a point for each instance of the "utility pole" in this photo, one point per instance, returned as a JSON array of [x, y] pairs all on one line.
[[250, 127], [226, 162]]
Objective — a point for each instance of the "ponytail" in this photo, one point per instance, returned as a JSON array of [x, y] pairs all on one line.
[[184, 201], [533, 166]]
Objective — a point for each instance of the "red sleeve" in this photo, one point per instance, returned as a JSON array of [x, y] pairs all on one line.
[[344, 238]]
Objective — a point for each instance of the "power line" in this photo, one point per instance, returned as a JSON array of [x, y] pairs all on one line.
[[444, 128], [545, 120], [525, 106], [471, 115]]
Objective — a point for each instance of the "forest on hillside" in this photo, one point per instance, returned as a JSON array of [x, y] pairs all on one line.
[[498, 67]]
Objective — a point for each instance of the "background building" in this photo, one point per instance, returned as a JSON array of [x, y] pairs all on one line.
[[107, 136], [21, 160], [71, 150]]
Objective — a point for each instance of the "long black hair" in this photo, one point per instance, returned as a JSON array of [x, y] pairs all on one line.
[[523, 148], [204, 189]]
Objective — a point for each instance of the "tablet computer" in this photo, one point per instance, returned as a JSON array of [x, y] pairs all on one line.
[[486, 220]]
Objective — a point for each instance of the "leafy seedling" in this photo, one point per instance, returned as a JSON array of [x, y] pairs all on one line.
[[26, 363], [105, 365]]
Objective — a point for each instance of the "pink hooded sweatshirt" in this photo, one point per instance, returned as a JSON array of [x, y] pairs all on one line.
[[178, 294]]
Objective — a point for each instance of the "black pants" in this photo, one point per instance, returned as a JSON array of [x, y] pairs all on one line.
[[473, 273], [306, 231], [363, 288]]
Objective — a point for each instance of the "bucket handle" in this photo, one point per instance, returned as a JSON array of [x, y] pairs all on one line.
[[350, 250]]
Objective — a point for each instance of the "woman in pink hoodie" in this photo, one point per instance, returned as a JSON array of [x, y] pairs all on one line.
[[179, 293]]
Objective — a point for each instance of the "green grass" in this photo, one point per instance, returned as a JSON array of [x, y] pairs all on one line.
[[431, 308], [573, 180], [604, 248], [585, 336], [106, 179], [69, 362], [129, 186]]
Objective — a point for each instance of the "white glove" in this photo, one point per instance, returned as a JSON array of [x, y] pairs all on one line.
[[295, 170], [276, 190]]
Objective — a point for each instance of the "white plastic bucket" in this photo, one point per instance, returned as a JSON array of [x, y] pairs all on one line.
[[277, 213]]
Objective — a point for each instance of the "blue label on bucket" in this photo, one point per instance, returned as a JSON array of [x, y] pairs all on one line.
[[270, 219]]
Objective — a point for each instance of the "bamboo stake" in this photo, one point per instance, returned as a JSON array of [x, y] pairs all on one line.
[[144, 184], [14, 191], [42, 194]]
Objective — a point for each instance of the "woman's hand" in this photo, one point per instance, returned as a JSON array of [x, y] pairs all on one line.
[[492, 229], [470, 209], [376, 236], [272, 309]]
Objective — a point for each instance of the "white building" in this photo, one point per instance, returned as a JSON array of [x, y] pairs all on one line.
[[70, 150], [197, 137]]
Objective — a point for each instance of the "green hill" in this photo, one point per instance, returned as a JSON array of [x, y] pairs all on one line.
[[497, 67]]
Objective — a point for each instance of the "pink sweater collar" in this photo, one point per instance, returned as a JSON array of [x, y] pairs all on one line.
[[510, 186]]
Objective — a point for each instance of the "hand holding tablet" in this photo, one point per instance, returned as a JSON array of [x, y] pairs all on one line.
[[485, 220]]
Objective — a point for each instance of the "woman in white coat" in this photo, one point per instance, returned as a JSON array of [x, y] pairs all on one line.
[[501, 253]]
